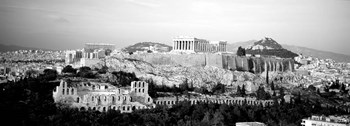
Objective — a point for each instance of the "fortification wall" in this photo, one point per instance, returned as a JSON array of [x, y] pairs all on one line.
[[225, 61]]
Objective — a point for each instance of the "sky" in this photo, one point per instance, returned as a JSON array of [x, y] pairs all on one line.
[[68, 24]]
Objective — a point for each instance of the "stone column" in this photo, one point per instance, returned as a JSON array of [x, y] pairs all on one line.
[[187, 45], [192, 45], [177, 45], [183, 45]]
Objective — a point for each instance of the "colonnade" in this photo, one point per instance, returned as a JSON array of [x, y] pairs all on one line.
[[198, 45], [190, 45]]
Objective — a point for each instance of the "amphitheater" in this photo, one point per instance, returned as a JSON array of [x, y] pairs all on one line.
[[103, 96]]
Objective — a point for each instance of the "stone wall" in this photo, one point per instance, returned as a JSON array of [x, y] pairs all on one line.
[[225, 61], [170, 101]]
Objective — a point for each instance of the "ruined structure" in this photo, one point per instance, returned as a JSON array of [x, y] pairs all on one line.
[[169, 101], [193, 45], [103, 96], [90, 55]]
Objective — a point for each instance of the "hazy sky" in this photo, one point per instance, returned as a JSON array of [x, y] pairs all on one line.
[[62, 24]]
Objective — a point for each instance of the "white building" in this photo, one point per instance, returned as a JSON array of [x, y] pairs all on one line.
[[326, 121], [193, 45]]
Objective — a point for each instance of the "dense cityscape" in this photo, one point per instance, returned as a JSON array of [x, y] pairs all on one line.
[[174, 63], [101, 85]]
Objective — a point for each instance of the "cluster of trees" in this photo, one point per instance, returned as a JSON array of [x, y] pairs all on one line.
[[47, 74], [241, 91], [30, 102], [261, 94], [85, 72], [123, 78], [240, 51], [283, 53]]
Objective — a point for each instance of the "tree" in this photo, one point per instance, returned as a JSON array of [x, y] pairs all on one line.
[[312, 88], [243, 91], [218, 89], [69, 69], [103, 70], [239, 90], [108, 52], [49, 74], [85, 72], [261, 94], [31, 73], [241, 51], [206, 119], [272, 86], [218, 119]]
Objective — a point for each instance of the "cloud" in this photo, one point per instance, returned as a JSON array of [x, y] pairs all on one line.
[[58, 19], [143, 3]]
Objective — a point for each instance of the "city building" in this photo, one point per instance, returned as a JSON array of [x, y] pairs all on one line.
[[194, 45], [89, 95], [326, 121]]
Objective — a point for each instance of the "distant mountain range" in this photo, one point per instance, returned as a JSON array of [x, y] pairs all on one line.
[[318, 53], [6, 48], [145, 46]]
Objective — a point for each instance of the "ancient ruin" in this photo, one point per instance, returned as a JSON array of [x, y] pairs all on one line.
[[103, 96], [194, 45], [169, 101]]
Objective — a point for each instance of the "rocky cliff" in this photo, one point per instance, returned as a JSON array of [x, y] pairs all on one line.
[[198, 76]]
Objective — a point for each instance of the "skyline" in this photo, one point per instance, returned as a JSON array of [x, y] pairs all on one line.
[[64, 24]]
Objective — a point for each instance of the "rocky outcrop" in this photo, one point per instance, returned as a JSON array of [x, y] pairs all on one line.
[[225, 61], [170, 75]]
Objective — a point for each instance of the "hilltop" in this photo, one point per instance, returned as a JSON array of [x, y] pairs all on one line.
[[145, 46], [269, 47], [232, 47]]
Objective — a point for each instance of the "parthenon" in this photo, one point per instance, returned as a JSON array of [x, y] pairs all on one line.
[[193, 45]]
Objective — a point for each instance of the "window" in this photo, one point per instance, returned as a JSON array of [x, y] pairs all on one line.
[[67, 91], [72, 91], [78, 99], [63, 91]]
